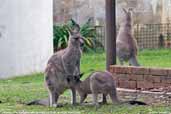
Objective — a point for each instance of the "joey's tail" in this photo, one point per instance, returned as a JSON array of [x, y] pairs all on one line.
[[44, 102]]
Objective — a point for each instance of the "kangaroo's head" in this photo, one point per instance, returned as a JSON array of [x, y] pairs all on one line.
[[73, 80], [127, 16], [75, 38]]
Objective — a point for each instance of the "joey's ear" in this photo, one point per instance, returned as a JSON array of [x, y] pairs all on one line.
[[125, 11]]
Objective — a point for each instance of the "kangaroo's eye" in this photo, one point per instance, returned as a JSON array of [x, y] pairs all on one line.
[[76, 38], [75, 77]]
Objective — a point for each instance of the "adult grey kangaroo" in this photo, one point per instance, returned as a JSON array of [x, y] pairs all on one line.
[[99, 82], [126, 45], [63, 64]]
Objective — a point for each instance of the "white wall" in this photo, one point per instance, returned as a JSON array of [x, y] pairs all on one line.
[[25, 36]]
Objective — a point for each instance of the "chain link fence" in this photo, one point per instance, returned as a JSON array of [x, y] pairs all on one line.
[[100, 39], [153, 35], [148, 36]]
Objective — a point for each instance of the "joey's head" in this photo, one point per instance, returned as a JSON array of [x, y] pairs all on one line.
[[75, 38], [74, 79]]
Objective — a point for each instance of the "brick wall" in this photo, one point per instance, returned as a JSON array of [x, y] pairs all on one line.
[[140, 77]]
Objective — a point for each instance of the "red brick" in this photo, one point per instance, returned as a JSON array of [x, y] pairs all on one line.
[[156, 79], [140, 70], [117, 70], [123, 84], [151, 78], [129, 70], [132, 84], [114, 75], [122, 75], [148, 78], [169, 71], [136, 77], [158, 72], [160, 85], [166, 79], [144, 85], [122, 79], [121, 69], [166, 85], [117, 83], [111, 69], [140, 84], [128, 84]]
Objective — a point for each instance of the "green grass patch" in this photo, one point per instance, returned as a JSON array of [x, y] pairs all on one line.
[[16, 91]]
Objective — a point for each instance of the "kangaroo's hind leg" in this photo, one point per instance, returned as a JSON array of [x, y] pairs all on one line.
[[113, 95], [133, 61], [53, 98], [95, 99], [104, 100], [82, 98], [52, 90]]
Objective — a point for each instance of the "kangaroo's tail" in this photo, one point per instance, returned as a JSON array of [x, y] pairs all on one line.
[[135, 102], [44, 102], [133, 61]]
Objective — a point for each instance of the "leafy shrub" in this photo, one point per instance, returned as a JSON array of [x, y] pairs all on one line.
[[61, 35]]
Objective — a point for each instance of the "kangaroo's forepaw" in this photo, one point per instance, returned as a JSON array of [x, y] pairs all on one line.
[[103, 102], [57, 105], [75, 104]]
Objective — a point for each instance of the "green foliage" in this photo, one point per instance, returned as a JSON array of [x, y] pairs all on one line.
[[88, 31], [61, 35]]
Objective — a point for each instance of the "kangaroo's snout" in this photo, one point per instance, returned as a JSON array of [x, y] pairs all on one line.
[[81, 42]]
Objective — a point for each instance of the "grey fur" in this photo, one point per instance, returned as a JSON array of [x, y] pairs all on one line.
[[97, 82], [63, 65], [126, 45], [100, 82]]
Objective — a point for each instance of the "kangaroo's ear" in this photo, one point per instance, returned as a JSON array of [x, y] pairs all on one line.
[[70, 32], [124, 10], [76, 29], [81, 75], [68, 79], [130, 9]]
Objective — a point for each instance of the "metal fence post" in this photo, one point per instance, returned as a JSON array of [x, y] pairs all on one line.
[[110, 34]]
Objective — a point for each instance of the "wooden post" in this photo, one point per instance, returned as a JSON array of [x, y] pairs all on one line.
[[110, 34]]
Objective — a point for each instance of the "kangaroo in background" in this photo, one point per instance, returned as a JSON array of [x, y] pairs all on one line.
[[126, 45], [61, 66], [99, 82]]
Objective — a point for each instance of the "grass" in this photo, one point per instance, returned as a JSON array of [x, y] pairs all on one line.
[[16, 91]]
